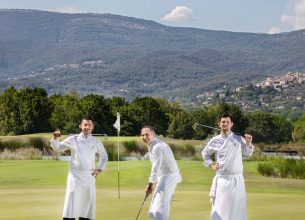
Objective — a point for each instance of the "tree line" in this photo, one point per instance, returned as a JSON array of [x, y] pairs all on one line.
[[31, 110]]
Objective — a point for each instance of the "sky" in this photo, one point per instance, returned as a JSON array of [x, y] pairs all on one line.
[[255, 16]]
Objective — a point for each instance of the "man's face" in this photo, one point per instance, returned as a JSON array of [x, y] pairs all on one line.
[[147, 135], [86, 126], [225, 124]]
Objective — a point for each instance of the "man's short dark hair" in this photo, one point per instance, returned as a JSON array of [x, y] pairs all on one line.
[[225, 115], [86, 117], [151, 128]]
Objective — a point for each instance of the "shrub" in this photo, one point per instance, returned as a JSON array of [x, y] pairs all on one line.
[[184, 151], [38, 142], [21, 154], [284, 168], [13, 143], [134, 147], [111, 151], [266, 169]]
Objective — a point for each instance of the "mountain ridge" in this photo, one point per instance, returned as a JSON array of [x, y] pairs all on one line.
[[116, 55]]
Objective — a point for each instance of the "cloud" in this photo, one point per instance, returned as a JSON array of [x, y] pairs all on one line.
[[68, 9], [179, 14], [297, 19], [274, 30]]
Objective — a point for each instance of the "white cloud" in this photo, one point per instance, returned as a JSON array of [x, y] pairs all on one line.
[[179, 14], [68, 9], [297, 19], [274, 30]]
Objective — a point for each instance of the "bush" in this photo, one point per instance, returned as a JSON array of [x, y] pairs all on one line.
[[266, 169], [21, 154], [111, 151], [13, 143], [284, 168], [38, 142], [183, 151], [135, 147]]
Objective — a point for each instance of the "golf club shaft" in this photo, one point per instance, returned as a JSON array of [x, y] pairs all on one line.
[[141, 207], [206, 126]]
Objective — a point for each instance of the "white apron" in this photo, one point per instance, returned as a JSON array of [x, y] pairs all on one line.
[[80, 195], [228, 197], [160, 205]]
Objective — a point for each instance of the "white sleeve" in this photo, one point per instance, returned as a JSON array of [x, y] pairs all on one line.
[[62, 145], [103, 156], [207, 152], [247, 149], [156, 158]]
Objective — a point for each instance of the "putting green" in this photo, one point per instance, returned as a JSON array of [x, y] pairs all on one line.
[[35, 190]]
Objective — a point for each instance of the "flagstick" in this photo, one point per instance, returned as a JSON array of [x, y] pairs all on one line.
[[117, 125], [119, 165]]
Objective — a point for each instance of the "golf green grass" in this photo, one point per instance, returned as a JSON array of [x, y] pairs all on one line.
[[35, 190]]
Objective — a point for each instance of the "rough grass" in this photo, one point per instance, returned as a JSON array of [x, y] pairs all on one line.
[[21, 154], [35, 190]]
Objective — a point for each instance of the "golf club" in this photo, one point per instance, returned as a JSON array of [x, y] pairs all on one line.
[[97, 135], [206, 126], [141, 207]]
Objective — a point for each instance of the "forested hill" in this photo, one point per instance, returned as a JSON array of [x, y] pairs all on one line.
[[124, 56]]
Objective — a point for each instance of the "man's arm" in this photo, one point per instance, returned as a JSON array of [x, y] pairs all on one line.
[[103, 159], [207, 153], [247, 146], [60, 146], [156, 158]]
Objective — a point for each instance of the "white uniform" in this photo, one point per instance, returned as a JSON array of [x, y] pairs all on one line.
[[80, 200], [165, 174], [228, 195]]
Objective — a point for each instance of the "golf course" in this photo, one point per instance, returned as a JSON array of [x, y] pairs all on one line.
[[35, 189]]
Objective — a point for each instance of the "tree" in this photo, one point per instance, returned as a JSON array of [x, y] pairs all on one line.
[[8, 111], [181, 127], [33, 110], [268, 128], [100, 110], [116, 103], [298, 133], [146, 111], [66, 113]]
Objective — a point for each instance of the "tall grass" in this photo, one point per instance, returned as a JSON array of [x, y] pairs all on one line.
[[284, 168], [135, 148], [22, 142], [111, 151], [21, 154], [38, 142]]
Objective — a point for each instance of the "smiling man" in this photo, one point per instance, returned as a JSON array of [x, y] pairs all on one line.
[[228, 194], [164, 173], [80, 198]]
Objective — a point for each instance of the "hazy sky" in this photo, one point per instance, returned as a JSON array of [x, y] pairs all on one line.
[[260, 16]]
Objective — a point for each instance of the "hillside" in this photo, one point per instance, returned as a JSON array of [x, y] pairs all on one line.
[[123, 56]]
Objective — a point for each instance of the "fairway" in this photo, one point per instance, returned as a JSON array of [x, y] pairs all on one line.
[[35, 190]]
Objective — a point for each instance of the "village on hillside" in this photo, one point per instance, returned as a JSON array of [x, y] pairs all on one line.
[[278, 92]]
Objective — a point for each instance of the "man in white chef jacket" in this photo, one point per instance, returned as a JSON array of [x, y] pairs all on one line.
[[164, 173], [228, 194], [80, 200]]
